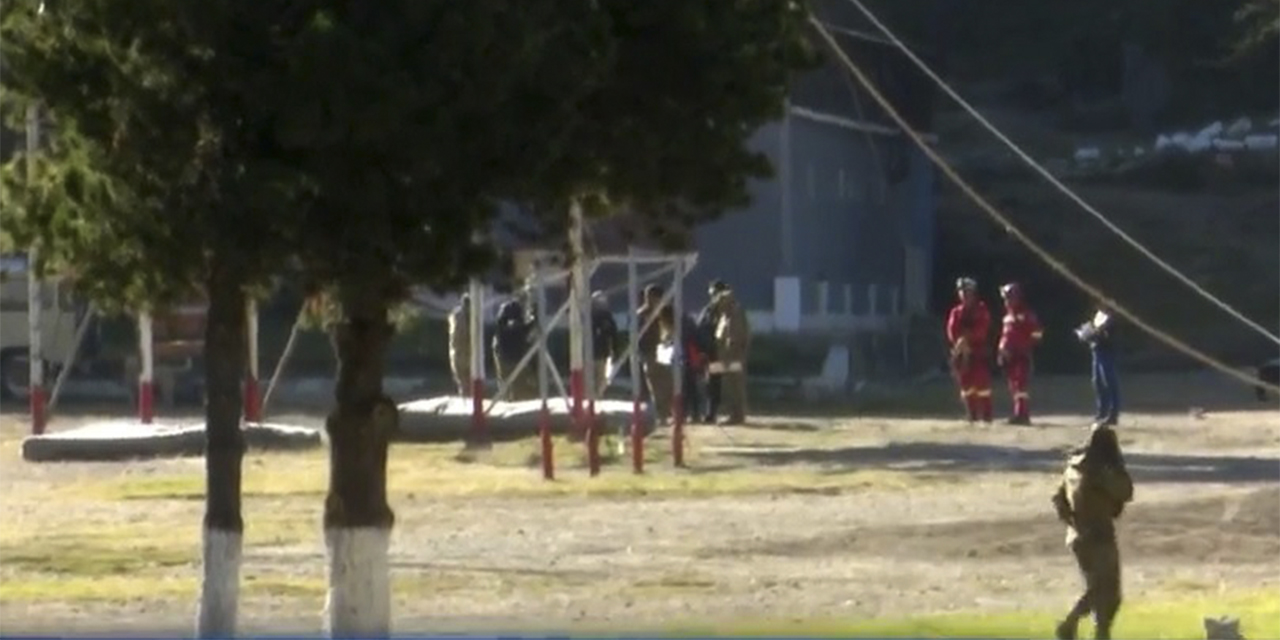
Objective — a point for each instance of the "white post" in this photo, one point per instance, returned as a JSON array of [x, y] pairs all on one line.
[[252, 399], [146, 386], [589, 390], [476, 320], [35, 351], [677, 311], [544, 412], [577, 280], [540, 300], [677, 363], [633, 338]]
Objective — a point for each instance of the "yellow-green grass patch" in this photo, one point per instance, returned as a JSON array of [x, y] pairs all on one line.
[[1172, 617], [509, 469]]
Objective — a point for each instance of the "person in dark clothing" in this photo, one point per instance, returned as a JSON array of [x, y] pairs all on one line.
[[1099, 334], [692, 358], [511, 340], [604, 340]]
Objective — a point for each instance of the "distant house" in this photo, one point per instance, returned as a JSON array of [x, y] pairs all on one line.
[[842, 238]]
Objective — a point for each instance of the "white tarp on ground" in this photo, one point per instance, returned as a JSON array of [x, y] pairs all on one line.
[[448, 418], [130, 439]]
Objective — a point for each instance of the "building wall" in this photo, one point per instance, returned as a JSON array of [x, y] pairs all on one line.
[[743, 247]]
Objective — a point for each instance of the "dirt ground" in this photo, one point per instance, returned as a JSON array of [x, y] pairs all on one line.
[[974, 531]]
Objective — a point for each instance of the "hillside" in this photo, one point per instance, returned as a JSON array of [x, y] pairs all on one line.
[[1220, 227]]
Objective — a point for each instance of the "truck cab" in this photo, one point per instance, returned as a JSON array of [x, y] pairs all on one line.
[[60, 315]]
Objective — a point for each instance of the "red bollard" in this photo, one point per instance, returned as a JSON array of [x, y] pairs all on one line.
[[544, 433], [593, 442], [146, 401], [252, 401], [637, 439], [479, 433], [39, 414], [677, 430]]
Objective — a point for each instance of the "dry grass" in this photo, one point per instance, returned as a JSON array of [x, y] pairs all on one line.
[[486, 536], [510, 469]]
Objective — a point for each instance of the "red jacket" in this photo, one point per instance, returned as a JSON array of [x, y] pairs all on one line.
[[972, 323], [1020, 331]]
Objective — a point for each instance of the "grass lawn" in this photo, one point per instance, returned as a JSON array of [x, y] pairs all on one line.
[[1174, 617]]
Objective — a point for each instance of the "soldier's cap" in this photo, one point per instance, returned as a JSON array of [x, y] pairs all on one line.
[[966, 284], [652, 289], [599, 296], [1010, 289], [718, 286]]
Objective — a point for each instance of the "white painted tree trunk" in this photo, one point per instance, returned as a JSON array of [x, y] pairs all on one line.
[[359, 600], [220, 591]]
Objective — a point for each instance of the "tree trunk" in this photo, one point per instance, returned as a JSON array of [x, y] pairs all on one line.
[[225, 357], [357, 518]]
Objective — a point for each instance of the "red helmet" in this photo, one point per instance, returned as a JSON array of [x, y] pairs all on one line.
[[1011, 290]]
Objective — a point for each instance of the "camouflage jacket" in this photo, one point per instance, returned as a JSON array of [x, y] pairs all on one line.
[[459, 332], [1090, 497], [733, 332]]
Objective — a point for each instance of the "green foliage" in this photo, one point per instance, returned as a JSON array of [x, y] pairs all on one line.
[[156, 162], [417, 131], [1216, 51], [1259, 23]]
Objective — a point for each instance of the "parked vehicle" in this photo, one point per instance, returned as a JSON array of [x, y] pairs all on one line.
[[60, 316]]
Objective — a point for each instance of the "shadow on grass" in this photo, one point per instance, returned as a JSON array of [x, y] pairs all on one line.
[[960, 457], [1173, 393]]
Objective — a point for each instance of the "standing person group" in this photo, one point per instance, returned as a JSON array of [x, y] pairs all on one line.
[[713, 354], [968, 326]]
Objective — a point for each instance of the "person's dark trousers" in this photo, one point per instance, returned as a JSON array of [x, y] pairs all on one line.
[[692, 397], [1106, 387], [713, 396]]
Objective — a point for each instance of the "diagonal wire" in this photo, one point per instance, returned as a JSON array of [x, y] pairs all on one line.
[[1057, 183], [1016, 232]]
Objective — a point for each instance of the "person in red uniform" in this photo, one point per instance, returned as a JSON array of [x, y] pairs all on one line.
[[1019, 334], [967, 327]]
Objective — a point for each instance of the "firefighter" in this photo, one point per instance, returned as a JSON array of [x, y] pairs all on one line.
[[460, 345], [1020, 332], [604, 340], [967, 328], [1094, 491], [657, 375], [733, 343]]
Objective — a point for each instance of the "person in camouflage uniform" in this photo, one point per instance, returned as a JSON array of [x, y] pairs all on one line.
[[733, 342], [460, 345], [1094, 491]]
